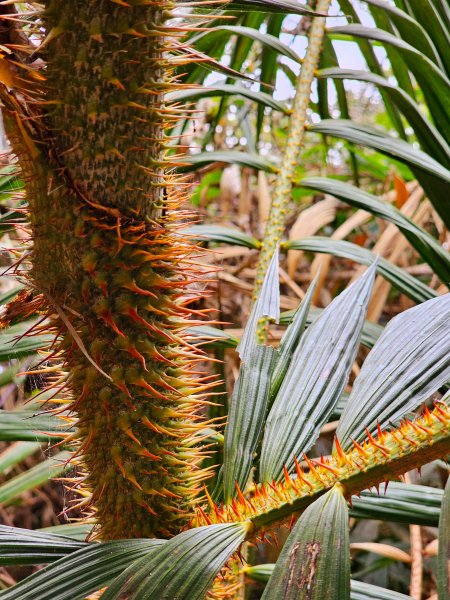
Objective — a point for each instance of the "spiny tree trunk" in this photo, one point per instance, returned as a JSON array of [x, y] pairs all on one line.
[[108, 260]]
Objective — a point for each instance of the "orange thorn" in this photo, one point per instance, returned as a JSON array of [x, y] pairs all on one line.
[[373, 443], [343, 459], [240, 494], [120, 465], [286, 476], [360, 449], [300, 473], [208, 497], [328, 467], [132, 436], [106, 316], [312, 469]]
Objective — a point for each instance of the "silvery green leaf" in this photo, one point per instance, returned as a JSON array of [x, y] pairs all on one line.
[[409, 362], [315, 378]]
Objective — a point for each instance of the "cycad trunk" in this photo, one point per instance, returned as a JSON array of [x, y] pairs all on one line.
[[108, 260]]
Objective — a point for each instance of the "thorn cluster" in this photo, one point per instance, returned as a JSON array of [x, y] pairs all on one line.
[[377, 459]]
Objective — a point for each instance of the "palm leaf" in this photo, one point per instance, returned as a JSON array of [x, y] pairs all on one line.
[[315, 379], [315, 561], [182, 568], [410, 361]]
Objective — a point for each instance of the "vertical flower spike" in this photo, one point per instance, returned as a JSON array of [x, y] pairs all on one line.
[[111, 267]]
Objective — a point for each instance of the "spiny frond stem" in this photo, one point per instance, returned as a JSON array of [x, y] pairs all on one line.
[[295, 138], [377, 460]]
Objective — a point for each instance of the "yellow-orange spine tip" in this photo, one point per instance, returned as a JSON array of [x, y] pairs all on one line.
[[366, 462]]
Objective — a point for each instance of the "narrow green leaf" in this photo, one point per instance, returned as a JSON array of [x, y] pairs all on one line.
[[9, 295], [34, 477], [444, 547], [400, 503], [75, 531], [205, 335], [411, 30], [358, 589], [13, 345], [16, 453], [425, 12], [246, 419], [433, 82], [429, 248], [315, 561], [315, 379], [204, 39], [27, 547], [410, 361], [223, 90], [219, 234], [8, 375], [366, 591], [288, 7], [400, 279], [396, 61], [429, 137], [232, 157], [83, 572], [267, 306], [291, 340], [21, 425], [183, 568], [378, 139], [434, 177]]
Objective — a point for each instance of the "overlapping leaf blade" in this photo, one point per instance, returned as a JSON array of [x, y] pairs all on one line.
[[399, 278], [276, 6], [25, 547], [434, 177], [420, 239], [291, 340], [410, 361], [315, 561], [34, 477], [315, 379], [25, 426], [83, 572], [76, 531], [183, 568], [224, 235], [430, 139], [204, 39], [16, 453], [433, 82], [267, 305], [366, 591], [358, 589], [410, 30], [15, 344], [246, 418], [380, 140], [225, 89], [399, 503]]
